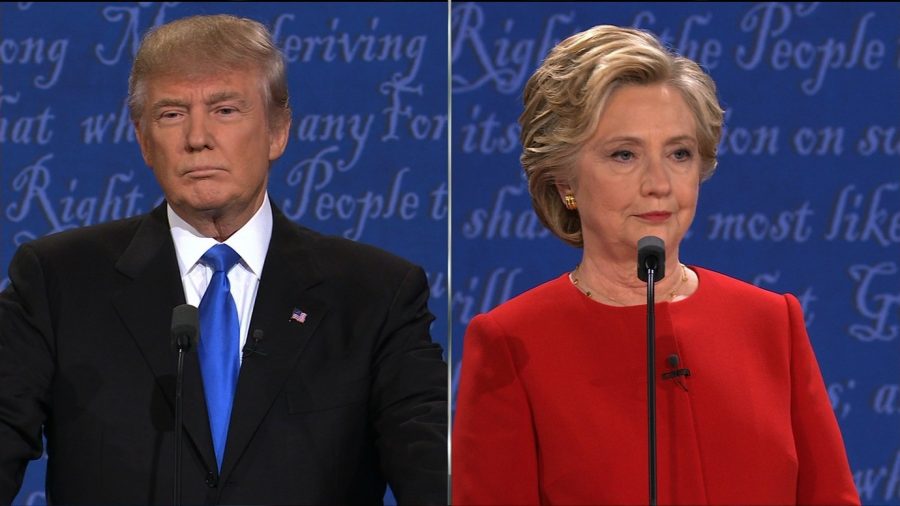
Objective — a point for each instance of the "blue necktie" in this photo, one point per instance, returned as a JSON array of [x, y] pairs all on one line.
[[219, 343]]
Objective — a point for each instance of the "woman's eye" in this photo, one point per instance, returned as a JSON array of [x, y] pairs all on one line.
[[623, 156], [682, 154]]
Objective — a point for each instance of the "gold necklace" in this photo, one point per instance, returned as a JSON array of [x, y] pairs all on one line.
[[587, 291]]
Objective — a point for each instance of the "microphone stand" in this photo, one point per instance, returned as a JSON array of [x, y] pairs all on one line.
[[179, 422], [651, 382], [185, 325], [651, 263]]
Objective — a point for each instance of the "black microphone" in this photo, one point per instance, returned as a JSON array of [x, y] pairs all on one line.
[[185, 328], [252, 347], [675, 371], [651, 255], [185, 335]]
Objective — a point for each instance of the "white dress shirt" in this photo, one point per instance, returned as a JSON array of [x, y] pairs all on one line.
[[251, 242]]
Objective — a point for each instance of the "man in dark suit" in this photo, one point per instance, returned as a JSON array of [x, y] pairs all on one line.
[[338, 389]]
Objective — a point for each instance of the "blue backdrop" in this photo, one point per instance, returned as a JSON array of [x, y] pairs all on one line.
[[367, 156], [806, 198]]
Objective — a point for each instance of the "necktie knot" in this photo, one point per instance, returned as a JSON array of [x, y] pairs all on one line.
[[221, 258]]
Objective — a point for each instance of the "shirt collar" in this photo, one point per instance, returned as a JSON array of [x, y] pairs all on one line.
[[251, 241]]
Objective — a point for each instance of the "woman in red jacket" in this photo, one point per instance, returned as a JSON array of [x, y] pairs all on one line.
[[618, 133]]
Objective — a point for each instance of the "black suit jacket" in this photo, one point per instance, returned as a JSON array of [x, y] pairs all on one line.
[[326, 411]]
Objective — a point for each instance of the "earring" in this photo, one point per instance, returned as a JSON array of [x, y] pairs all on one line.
[[569, 200]]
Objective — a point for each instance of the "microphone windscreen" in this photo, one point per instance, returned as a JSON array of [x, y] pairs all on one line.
[[185, 327], [673, 361], [651, 255]]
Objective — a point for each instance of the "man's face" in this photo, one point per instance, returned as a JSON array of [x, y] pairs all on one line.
[[210, 144]]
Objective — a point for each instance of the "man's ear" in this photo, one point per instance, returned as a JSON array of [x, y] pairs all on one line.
[[278, 138]]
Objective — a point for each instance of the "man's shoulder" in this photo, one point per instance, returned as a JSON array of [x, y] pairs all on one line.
[[86, 256], [334, 252], [92, 239], [351, 270], [359, 253]]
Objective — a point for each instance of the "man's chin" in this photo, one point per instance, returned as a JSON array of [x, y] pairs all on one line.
[[208, 205]]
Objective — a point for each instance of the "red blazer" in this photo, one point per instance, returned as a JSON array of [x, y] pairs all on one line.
[[552, 405]]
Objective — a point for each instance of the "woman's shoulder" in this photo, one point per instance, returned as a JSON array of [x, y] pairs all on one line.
[[715, 286], [535, 303]]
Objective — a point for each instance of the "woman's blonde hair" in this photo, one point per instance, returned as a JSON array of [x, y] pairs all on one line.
[[566, 95]]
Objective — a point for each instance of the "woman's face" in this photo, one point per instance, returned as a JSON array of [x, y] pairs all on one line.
[[639, 174]]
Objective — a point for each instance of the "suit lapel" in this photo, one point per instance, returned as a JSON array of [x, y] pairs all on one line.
[[286, 285], [145, 306]]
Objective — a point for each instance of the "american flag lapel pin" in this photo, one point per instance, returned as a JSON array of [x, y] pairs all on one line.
[[298, 315]]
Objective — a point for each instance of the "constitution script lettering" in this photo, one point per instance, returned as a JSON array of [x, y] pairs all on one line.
[[881, 308], [853, 224], [836, 394], [706, 53], [887, 399], [768, 23], [480, 296], [879, 139], [345, 47], [789, 225], [487, 135], [500, 222], [422, 127], [24, 129], [337, 128], [313, 176], [36, 51], [503, 62], [740, 140], [33, 183], [880, 483], [131, 33]]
